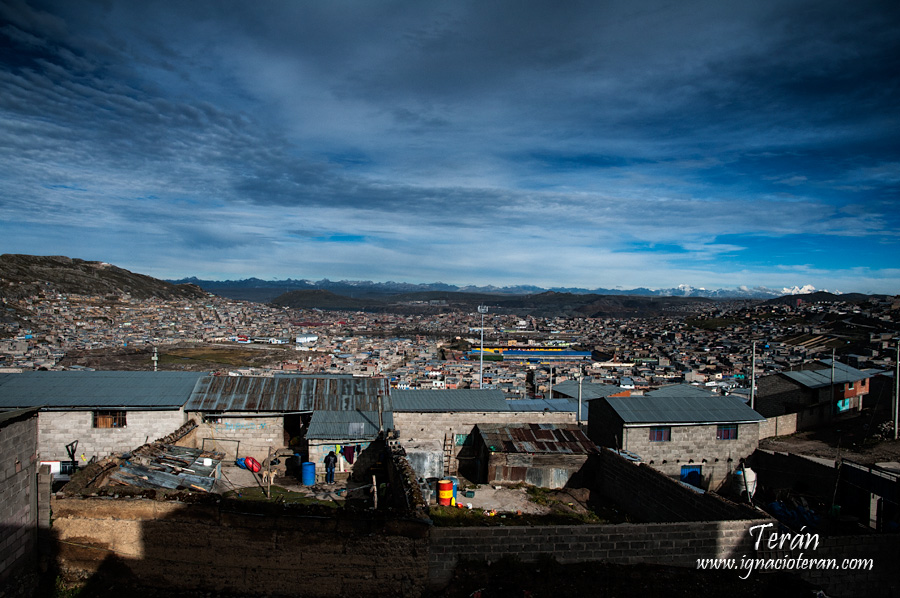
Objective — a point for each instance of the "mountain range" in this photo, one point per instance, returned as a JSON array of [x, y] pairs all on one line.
[[255, 289]]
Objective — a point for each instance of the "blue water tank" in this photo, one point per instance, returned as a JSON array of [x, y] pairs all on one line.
[[308, 473]]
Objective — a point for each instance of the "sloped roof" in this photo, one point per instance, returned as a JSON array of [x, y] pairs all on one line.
[[347, 425], [681, 390], [544, 405], [683, 410], [463, 399], [821, 378], [589, 390], [536, 438], [87, 390], [289, 394]]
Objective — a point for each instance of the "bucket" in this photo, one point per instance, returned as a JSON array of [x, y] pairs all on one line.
[[308, 473], [445, 492]]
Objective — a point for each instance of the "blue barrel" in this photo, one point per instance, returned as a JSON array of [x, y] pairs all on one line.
[[455, 482], [308, 473]]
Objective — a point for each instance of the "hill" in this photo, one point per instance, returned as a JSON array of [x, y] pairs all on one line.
[[24, 275]]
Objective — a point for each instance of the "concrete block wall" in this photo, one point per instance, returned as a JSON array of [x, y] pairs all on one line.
[[59, 428], [782, 425], [18, 497], [694, 445], [256, 434], [679, 544]]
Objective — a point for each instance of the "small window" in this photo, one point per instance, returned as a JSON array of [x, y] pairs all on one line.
[[463, 440], [661, 434], [109, 419], [212, 418], [726, 432]]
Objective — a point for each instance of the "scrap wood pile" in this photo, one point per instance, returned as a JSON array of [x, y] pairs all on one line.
[[167, 466]]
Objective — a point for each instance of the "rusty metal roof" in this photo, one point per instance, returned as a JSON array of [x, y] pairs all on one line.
[[289, 394], [536, 438]]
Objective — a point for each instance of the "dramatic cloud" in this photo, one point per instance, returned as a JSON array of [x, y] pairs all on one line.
[[584, 144]]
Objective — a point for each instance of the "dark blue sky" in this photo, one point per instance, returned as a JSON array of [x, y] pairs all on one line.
[[592, 144]]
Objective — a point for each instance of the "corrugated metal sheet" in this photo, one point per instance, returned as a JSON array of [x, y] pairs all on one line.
[[589, 390], [86, 390], [682, 390], [535, 438], [347, 425], [289, 393], [464, 399], [540, 405], [688, 409], [822, 378]]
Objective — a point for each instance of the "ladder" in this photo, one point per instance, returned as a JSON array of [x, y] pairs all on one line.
[[450, 464]]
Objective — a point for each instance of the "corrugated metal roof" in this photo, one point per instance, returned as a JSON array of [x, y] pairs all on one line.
[[347, 425], [589, 390], [536, 438], [289, 393], [688, 409], [544, 405], [821, 378], [86, 390], [6, 416], [463, 399], [682, 390]]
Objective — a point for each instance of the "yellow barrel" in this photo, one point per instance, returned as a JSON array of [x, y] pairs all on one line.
[[445, 492]]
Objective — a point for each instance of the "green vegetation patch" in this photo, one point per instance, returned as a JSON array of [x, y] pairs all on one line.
[[278, 495], [227, 356]]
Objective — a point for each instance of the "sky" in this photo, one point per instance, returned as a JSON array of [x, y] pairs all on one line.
[[598, 144]]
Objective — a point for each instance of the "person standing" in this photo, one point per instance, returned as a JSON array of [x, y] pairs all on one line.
[[330, 463]]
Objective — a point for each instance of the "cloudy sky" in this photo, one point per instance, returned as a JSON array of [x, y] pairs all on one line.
[[617, 143]]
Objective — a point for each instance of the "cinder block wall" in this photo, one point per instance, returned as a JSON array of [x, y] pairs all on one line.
[[694, 445], [679, 544], [59, 428], [256, 434], [18, 497]]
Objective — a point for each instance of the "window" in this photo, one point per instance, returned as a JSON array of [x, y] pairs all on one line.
[[212, 418], [463, 440], [726, 432], [661, 434], [109, 419]]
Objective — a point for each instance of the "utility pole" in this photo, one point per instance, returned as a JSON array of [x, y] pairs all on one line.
[[580, 380], [896, 389], [482, 309], [155, 359], [753, 377]]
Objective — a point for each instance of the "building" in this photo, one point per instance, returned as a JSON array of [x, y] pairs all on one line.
[[545, 455], [684, 432], [105, 412], [816, 393]]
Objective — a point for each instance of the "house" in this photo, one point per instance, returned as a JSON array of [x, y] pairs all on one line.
[[106, 412], [435, 425], [816, 393], [683, 431], [310, 414], [545, 455]]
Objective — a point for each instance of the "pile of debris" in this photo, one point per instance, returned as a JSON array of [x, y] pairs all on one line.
[[168, 466]]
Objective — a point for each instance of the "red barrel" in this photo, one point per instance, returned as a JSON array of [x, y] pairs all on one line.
[[445, 492]]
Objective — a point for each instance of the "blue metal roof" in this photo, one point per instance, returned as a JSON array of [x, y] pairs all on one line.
[[289, 394], [463, 399], [821, 378], [589, 390], [87, 390], [347, 425], [683, 410], [541, 405]]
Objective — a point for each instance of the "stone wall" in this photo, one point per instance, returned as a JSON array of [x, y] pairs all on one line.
[[212, 548], [694, 445], [18, 496], [59, 428]]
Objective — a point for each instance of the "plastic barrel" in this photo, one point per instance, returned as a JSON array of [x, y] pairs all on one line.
[[455, 482], [445, 492], [308, 473]]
